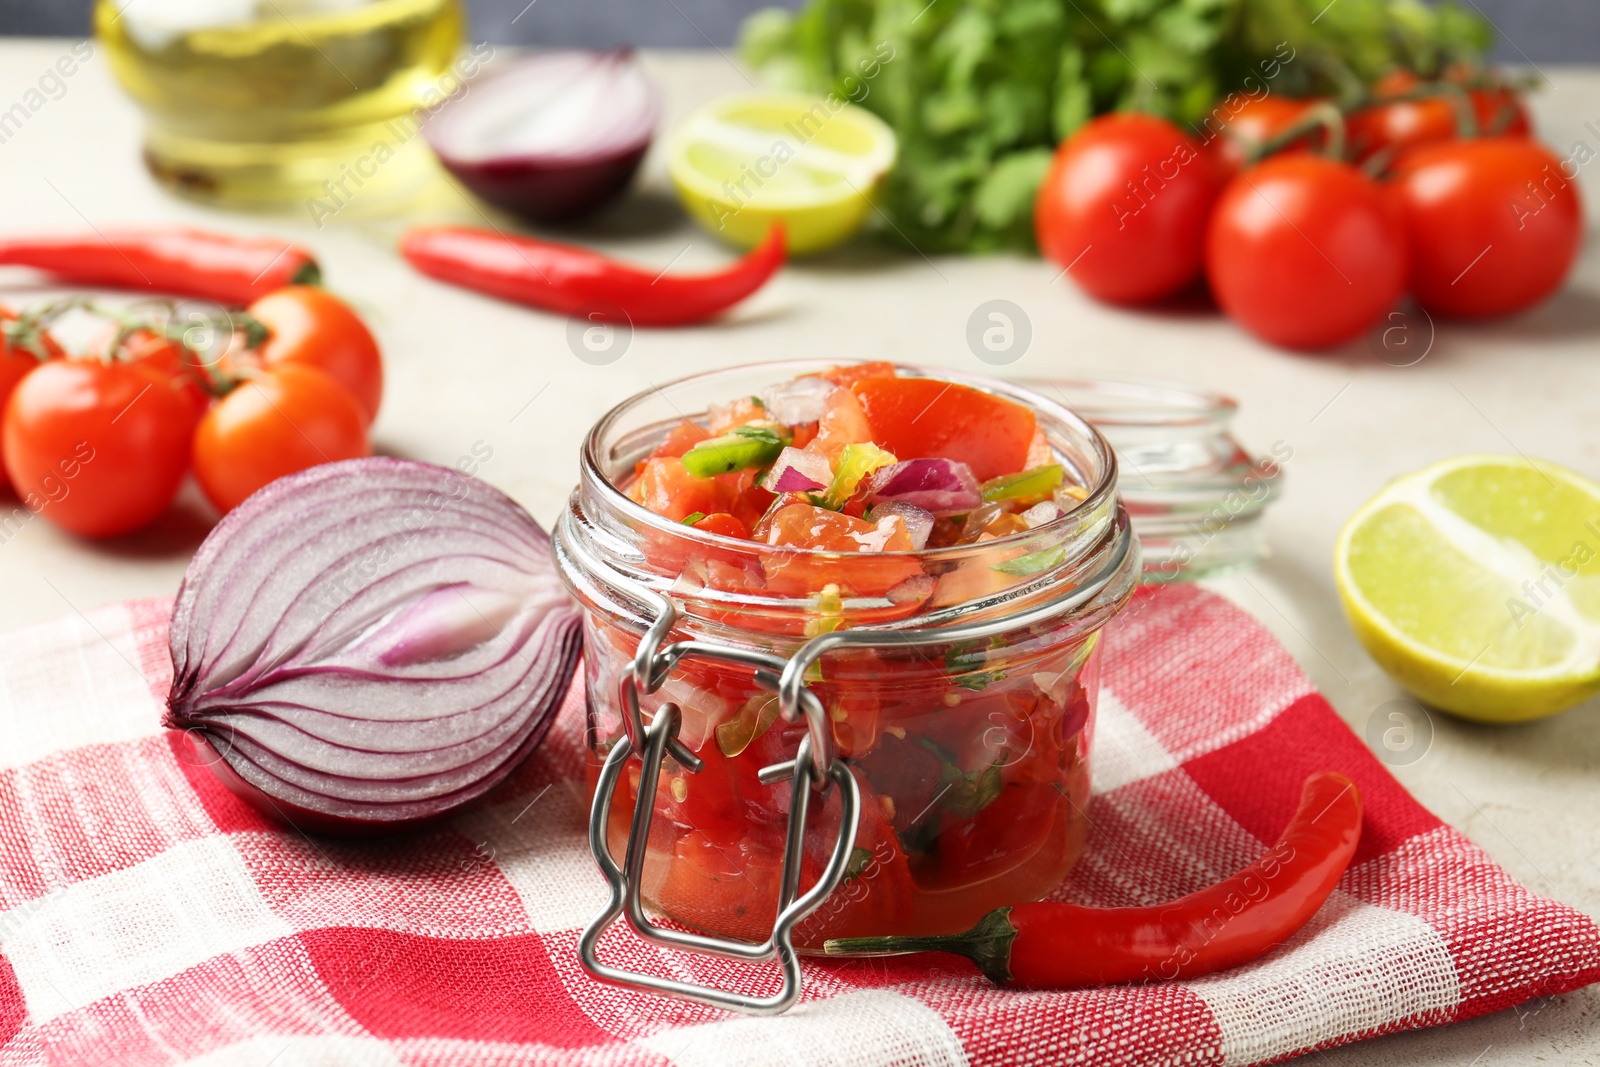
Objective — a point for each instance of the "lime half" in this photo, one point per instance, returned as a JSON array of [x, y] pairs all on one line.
[[745, 161], [1476, 584]]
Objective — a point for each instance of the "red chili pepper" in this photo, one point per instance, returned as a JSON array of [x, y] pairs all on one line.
[[182, 262], [1241, 918], [580, 282]]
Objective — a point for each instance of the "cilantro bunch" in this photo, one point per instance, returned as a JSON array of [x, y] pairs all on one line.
[[979, 92]]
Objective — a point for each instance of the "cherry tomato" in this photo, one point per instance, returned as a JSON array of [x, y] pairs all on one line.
[[917, 418], [15, 363], [1123, 208], [284, 420], [1305, 252], [172, 363], [1254, 123], [99, 448], [312, 326], [1495, 224], [1501, 113], [1395, 125]]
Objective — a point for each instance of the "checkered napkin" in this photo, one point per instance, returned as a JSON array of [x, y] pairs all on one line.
[[149, 917]]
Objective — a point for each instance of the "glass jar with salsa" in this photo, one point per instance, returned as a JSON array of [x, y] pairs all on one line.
[[777, 506]]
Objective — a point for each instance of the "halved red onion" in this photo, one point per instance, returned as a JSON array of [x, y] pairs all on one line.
[[370, 644], [552, 136], [940, 486], [919, 522], [799, 471], [797, 401]]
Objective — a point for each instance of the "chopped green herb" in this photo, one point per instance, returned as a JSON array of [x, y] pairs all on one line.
[[977, 683], [692, 518], [965, 793], [1040, 482], [859, 858]]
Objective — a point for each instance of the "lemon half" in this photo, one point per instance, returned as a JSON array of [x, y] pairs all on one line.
[[1475, 583], [745, 161]]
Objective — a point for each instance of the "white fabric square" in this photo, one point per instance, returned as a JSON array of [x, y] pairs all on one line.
[[135, 926], [1123, 750], [297, 1050], [541, 845], [101, 698], [851, 1030], [1353, 968]]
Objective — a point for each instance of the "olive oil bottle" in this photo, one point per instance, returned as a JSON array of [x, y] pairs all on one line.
[[263, 102]]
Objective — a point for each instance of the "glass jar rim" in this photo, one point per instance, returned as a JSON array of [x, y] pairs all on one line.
[[1098, 495]]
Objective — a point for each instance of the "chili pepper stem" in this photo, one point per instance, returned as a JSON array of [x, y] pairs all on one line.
[[988, 945]]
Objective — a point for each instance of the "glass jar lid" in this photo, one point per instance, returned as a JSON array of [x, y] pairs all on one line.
[[1195, 495]]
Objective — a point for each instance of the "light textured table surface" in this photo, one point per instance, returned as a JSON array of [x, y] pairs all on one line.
[[464, 370]]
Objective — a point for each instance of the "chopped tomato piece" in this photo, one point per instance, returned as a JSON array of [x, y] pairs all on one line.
[[746, 409], [848, 374], [1005, 835], [724, 524], [919, 418], [683, 437], [667, 489], [843, 423], [748, 501], [805, 526]]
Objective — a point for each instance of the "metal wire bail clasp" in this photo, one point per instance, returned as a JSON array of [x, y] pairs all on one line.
[[814, 768]]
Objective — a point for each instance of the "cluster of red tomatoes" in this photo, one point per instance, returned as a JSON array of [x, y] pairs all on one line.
[[1309, 221], [99, 442]]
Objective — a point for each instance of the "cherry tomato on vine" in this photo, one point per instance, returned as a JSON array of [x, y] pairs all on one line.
[[1254, 123], [1501, 113], [1495, 224], [283, 420], [1396, 125], [311, 326], [98, 448], [15, 363], [1305, 252], [171, 362], [1123, 208]]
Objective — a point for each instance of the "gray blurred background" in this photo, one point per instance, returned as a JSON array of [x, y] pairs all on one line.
[[1537, 31]]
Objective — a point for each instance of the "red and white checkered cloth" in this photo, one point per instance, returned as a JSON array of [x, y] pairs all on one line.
[[149, 917]]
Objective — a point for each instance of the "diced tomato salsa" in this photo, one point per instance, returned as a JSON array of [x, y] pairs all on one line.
[[972, 758]]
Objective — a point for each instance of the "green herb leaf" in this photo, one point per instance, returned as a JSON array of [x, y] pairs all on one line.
[[692, 518], [965, 793]]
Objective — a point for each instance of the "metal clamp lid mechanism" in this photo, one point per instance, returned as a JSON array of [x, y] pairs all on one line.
[[815, 767]]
